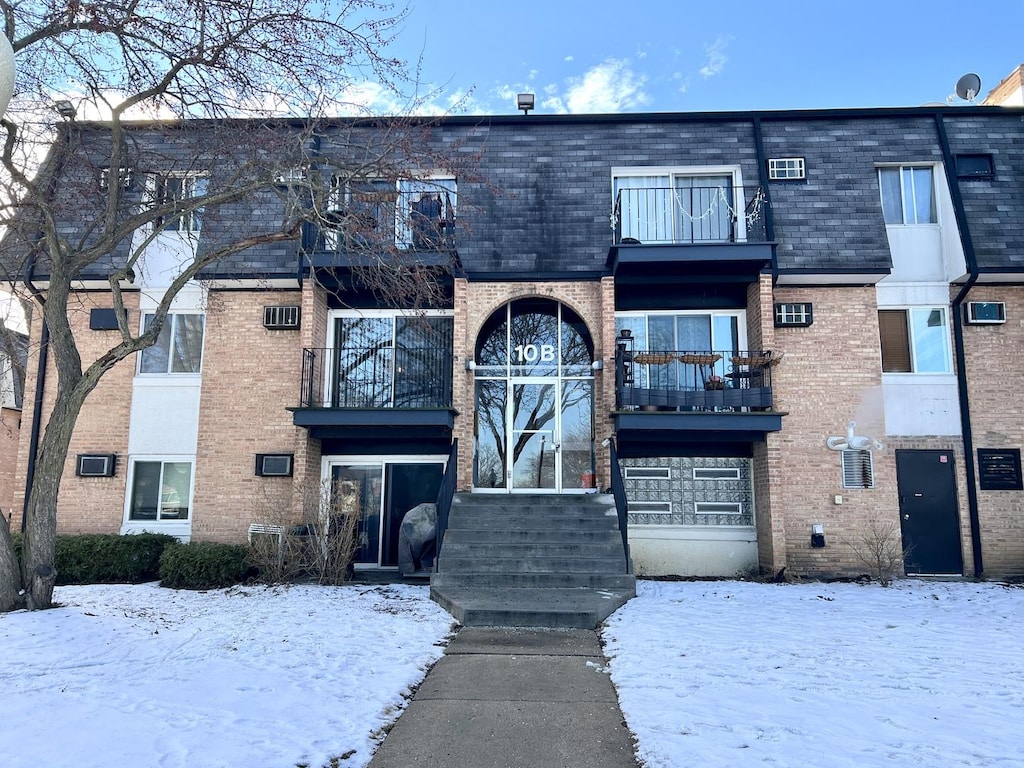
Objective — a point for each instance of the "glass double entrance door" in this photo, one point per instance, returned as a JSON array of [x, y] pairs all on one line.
[[534, 434], [534, 421]]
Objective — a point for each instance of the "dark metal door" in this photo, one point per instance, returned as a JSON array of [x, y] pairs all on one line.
[[929, 518]]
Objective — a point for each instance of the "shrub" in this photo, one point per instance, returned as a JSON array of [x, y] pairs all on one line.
[[109, 558], [203, 565]]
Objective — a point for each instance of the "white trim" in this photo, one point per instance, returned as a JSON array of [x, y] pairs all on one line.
[[736, 473], [736, 508], [665, 473], [180, 528]]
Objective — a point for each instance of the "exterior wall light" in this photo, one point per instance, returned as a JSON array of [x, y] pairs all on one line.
[[525, 102], [65, 109]]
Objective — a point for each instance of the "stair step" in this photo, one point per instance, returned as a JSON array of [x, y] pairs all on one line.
[[536, 564], [529, 535], [480, 580], [557, 608], [491, 549]]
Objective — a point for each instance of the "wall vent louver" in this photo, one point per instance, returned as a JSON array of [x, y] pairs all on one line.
[[282, 318]]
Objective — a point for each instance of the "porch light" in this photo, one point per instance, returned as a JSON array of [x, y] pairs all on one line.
[[597, 365], [525, 102], [470, 364]]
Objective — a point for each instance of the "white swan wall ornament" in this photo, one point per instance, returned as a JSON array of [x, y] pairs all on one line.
[[852, 441]]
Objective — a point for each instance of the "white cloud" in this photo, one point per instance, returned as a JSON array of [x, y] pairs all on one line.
[[568, 58], [611, 86], [716, 57]]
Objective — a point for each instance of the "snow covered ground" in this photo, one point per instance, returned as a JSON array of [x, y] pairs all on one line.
[[709, 674], [144, 677], [734, 674]]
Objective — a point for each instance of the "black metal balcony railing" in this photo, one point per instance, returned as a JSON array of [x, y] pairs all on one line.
[[377, 377], [694, 381], [690, 215], [369, 235]]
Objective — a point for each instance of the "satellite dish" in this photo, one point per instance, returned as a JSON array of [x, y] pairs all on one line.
[[968, 87]]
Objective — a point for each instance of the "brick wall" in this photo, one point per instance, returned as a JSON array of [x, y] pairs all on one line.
[[93, 504], [250, 376]]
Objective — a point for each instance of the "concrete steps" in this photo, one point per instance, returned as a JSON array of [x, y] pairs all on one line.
[[532, 561]]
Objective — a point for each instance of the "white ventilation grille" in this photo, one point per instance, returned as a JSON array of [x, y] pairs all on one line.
[[858, 471], [650, 507], [718, 508], [282, 318], [716, 473], [647, 473]]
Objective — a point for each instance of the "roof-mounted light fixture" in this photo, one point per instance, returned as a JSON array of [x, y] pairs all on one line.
[[65, 109], [525, 102]]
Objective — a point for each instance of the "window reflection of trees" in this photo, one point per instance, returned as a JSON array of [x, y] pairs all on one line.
[[403, 362], [511, 343]]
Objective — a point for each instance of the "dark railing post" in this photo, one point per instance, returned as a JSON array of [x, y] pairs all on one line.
[[445, 494], [619, 494]]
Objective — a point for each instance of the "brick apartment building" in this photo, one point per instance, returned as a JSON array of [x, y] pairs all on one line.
[[795, 327]]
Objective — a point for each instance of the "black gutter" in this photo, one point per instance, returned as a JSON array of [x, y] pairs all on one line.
[[37, 402], [971, 261], [769, 215]]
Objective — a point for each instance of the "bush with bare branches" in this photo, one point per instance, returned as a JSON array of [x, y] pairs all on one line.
[[879, 547]]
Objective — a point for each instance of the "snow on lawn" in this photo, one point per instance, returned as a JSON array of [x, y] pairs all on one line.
[[841, 675], [245, 677]]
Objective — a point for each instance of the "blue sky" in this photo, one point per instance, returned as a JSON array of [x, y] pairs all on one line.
[[659, 55]]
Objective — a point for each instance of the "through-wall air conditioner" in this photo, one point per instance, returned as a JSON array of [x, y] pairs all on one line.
[[290, 176], [96, 464], [985, 312], [282, 318], [274, 464]]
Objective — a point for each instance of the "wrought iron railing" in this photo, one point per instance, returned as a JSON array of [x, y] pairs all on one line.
[[445, 494], [621, 503], [351, 235], [690, 215], [731, 380], [376, 377]]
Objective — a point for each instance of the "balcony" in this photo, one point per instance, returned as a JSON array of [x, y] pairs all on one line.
[[696, 396], [405, 391], [690, 215], [704, 241]]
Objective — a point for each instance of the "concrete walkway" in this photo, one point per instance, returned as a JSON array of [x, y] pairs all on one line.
[[513, 698]]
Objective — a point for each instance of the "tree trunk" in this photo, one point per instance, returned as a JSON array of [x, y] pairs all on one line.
[[38, 570], [10, 577]]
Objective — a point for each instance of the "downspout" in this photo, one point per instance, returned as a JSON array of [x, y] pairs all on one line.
[[37, 402], [971, 261], [769, 215]]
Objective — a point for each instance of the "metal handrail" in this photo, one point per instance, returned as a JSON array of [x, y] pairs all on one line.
[[379, 376], [621, 504], [445, 494], [689, 215]]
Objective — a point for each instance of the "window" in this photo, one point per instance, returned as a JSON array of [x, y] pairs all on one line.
[[785, 168], [161, 490], [907, 195], [647, 473], [179, 190], [361, 214], [914, 340], [426, 213], [794, 315], [178, 348], [716, 473], [858, 471]]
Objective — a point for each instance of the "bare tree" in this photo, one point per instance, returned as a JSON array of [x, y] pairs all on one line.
[[216, 81]]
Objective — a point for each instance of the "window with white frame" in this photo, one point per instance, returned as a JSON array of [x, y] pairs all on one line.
[[908, 194], [178, 347], [180, 190], [785, 168], [858, 470], [914, 340], [426, 213], [667, 206], [160, 491], [360, 214]]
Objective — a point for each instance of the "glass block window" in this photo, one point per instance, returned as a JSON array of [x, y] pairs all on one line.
[[699, 491]]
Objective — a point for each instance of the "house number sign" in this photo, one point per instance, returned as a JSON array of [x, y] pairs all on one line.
[[531, 353]]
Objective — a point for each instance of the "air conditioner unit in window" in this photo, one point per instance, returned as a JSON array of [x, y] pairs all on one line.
[[985, 312], [274, 464], [283, 318], [96, 464]]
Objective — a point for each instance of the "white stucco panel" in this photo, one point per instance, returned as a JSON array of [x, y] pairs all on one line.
[[920, 404], [165, 415]]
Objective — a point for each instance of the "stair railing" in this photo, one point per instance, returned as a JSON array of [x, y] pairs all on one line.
[[445, 494], [619, 494]]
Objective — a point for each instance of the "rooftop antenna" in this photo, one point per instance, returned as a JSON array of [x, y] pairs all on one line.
[[968, 87]]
